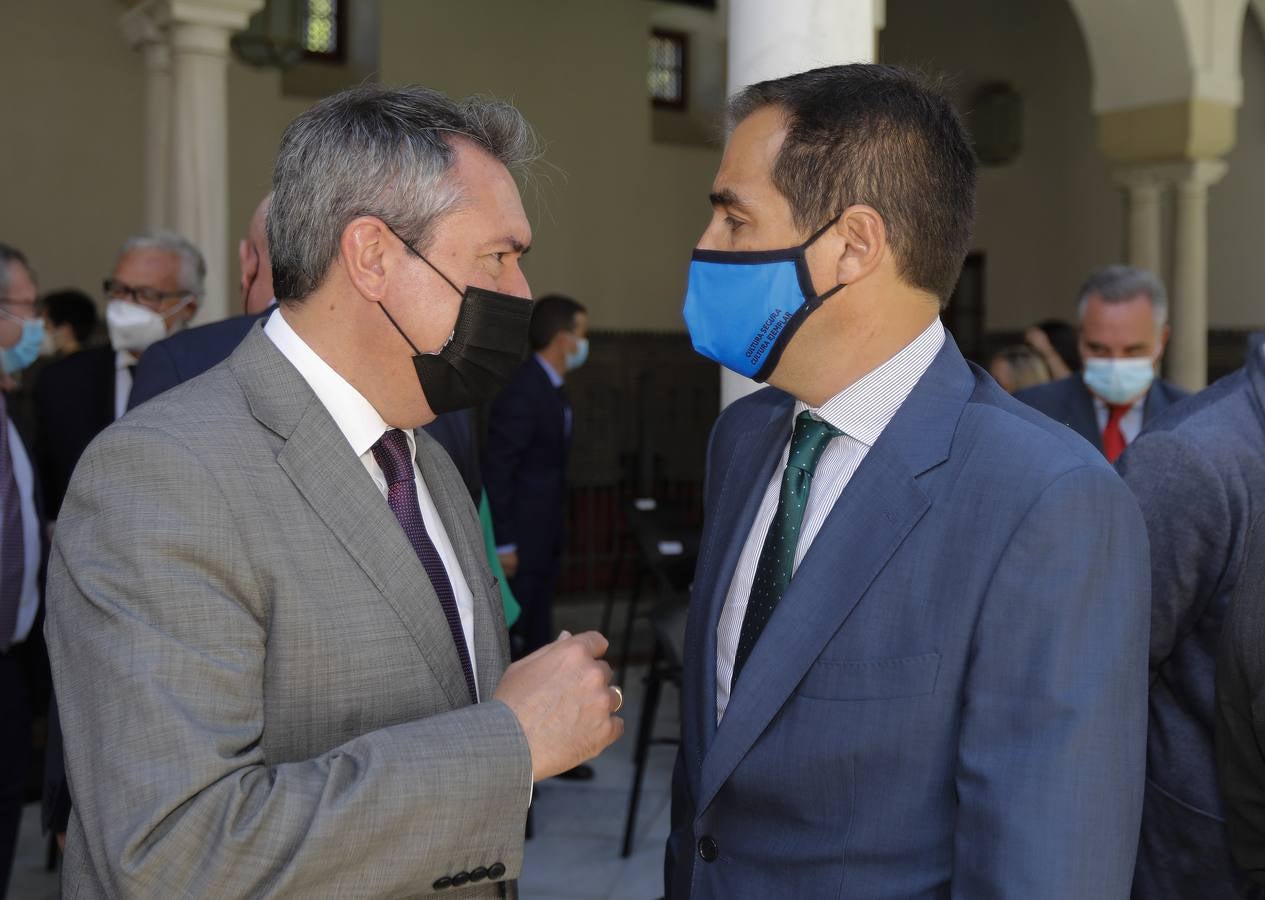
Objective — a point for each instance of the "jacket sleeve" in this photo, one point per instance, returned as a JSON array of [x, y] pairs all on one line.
[[158, 632], [1241, 719], [1188, 518], [1051, 759]]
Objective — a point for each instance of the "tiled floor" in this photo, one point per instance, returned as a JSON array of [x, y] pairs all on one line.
[[575, 852]]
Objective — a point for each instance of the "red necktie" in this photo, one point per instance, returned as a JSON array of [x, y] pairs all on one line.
[[1113, 442]]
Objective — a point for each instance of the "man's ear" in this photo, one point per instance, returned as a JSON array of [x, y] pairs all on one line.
[[363, 250], [1165, 332], [864, 242]]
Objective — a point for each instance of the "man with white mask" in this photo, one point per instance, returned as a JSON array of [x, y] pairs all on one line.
[[1124, 329], [154, 290]]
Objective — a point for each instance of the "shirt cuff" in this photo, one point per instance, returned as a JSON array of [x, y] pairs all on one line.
[[502, 549]]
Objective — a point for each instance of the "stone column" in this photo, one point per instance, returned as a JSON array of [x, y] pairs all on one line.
[[769, 40], [142, 33], [1188, 348], [1144, 189], [199, 32]]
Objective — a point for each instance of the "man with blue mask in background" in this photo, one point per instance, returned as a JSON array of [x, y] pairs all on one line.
[[525, 469], [21, 332], [1123, 331], [915, 660]]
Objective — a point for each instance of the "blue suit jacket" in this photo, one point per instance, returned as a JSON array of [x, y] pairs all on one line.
[[950, 699], [1070, 402], [1199, 475], [525, 467], [187, 354]]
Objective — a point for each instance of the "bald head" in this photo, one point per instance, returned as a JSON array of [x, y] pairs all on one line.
[[256, 264]]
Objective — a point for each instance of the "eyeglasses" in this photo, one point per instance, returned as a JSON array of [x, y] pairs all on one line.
[[145, 296], [23, 309]]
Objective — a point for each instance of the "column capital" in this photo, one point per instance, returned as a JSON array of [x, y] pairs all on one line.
[[141, 28], [1141, 178], [228, 15]]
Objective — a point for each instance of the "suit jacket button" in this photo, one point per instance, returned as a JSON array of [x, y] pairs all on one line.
[[707, 849], [495, 871], [460, 878], [478, 874], [442, 883]]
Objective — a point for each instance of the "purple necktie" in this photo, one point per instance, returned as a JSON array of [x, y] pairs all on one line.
[[12, 543], [393, 456]]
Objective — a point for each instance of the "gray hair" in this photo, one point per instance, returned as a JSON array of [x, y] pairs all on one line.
[[374, 151], [1118, 284], [192, 264], [10, 254]]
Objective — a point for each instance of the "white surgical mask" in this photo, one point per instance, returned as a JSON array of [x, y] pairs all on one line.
[[134, 327], [1119, 380]]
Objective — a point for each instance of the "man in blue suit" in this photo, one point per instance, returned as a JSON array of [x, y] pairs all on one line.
[[1123, 315], [916, 652], [525, 463], [1199, 475]]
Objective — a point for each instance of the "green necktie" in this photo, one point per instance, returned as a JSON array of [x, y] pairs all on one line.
[[777, 559]]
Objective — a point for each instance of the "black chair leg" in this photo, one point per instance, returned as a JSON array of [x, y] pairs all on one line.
[[629, 619], [649, 708]]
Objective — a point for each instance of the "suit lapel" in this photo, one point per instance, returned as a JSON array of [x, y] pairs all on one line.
[[756, 454], [320, 462], [1082, 417], [876, 512]]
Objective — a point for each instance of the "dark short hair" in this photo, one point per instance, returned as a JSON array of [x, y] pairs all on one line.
[[881, 136], [1065, 340], [551, 314], [73, 308]]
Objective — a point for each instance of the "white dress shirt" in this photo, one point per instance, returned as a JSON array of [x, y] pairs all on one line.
[[362, 426], [861, 411], [29, 599], [1130, 422], [123, 362]]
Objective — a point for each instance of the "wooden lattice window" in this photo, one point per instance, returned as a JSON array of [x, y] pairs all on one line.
[[669, 51], [324, 29]]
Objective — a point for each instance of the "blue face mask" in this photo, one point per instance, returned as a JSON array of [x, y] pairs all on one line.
[[27, 349], [580, 356], [743, 307], [1119, 380]]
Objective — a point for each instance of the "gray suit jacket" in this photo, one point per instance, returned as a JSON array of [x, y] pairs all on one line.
[[259, 691]]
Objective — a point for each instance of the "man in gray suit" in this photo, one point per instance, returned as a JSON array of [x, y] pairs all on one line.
[[280, 653]]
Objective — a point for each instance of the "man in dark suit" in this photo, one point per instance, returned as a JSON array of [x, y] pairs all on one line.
[[21, 553], [1199, 475], [1123, 332], [153, 291], [915, 659], [525, 463]]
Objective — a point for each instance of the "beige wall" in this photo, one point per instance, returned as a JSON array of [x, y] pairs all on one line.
[[1053, 215], [614, 216]]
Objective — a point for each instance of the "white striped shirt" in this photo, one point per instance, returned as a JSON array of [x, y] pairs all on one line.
[[861, 411]]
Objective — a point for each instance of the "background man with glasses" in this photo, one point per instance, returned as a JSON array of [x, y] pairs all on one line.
[[153, 291], [22, 681]]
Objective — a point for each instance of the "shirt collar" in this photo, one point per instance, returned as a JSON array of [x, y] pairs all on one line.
[[554, 378], [863, 409], [355, 416]]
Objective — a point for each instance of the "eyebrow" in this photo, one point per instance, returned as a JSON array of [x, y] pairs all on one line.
[[516, 245], [726, 197]]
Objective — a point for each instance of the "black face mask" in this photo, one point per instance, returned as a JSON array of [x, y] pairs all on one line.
[[488, 343]]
